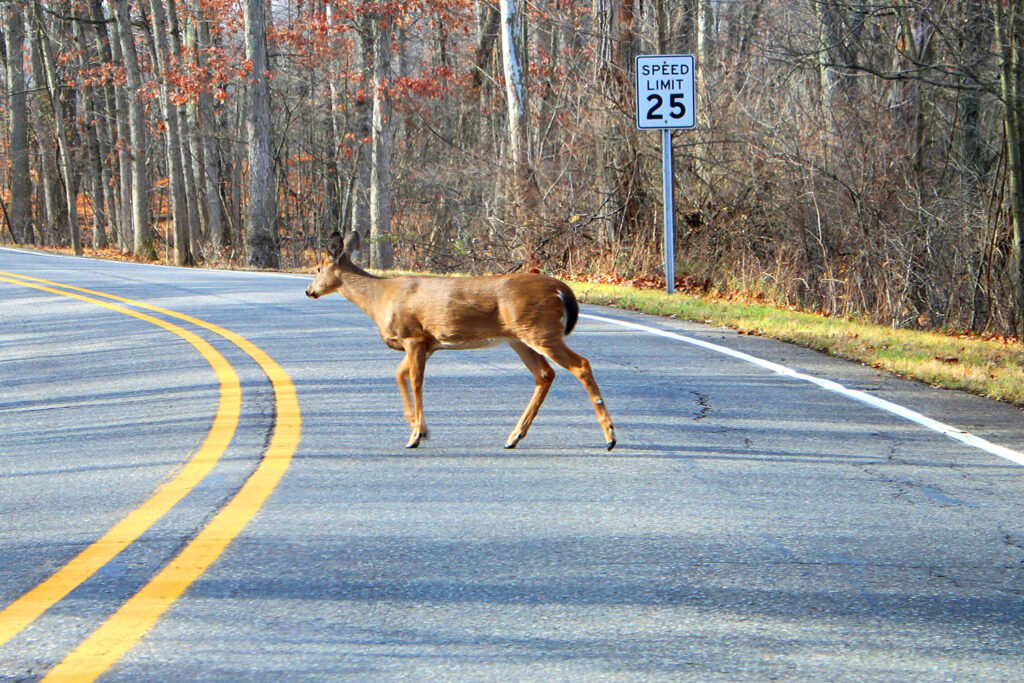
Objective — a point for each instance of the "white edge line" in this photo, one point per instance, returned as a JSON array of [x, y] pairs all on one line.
[[830, 385]]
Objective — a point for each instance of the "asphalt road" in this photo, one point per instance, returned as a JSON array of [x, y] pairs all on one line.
[[749, 525]]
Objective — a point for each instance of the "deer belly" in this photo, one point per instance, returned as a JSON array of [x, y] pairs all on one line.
[[458, 342]]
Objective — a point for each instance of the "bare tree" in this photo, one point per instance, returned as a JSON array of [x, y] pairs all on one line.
[[261, 224], [381, 248], [525, 186], [173, 138], [1009, 28], [206, 126], [623, 187], [19, 209], [142, 241], [53, 86], [90, 110], [362, 128]]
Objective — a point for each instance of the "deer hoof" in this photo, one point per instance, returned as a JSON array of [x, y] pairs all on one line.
[[513, 441], [611, 444]]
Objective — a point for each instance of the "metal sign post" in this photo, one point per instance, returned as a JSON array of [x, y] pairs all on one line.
[[666, 100], [669, 210]]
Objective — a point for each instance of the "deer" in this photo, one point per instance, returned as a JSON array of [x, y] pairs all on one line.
[[420, 314]]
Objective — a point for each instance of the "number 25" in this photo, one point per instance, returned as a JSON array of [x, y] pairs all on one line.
[[675, 101]]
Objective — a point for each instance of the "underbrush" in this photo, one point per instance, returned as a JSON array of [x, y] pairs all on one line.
[[986, 365]]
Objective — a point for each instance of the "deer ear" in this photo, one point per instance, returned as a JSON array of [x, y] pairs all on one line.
[[352, 244], [334, 245]]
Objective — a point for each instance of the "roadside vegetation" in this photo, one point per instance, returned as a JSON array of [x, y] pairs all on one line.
[[989, 365]]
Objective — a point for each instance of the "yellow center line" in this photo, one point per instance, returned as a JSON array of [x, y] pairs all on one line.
[[26, 609], [123, 629]]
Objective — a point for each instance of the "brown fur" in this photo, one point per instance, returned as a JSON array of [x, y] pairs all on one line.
[[419, 315]]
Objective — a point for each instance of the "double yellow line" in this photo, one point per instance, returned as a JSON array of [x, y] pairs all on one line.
[[115, 636]]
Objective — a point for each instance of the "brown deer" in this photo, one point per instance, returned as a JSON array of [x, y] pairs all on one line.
[[419, 315]]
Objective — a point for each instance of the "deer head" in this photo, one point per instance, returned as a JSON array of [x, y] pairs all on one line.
[[329, 274]]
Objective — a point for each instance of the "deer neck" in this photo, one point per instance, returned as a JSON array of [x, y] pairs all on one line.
[[363, 289]]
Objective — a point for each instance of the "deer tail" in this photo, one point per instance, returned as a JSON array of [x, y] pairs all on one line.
[[572, 309]]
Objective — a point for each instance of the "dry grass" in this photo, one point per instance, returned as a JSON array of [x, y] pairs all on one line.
[[992, 367]]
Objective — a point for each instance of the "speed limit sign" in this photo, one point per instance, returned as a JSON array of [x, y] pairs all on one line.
[[666, 100], [665, 92]]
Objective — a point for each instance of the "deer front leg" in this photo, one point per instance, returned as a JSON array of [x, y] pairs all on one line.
[[544, 376], [410, 372], [402, 377]]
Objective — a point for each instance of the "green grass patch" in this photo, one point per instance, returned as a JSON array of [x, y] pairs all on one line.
[[989, 367]]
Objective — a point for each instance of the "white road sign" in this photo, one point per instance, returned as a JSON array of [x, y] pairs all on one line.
[[665, 92]]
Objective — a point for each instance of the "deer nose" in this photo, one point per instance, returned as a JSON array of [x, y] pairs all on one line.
[[310, 293]]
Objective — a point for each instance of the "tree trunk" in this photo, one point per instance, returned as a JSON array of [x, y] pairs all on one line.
[[381, 248], [53, 84], [621, 188], [90, 102], [546, 128], [977, 39], [706, 34], [51, 213], [525, 191], [173, 148], [489, 23], [106, 127], [142, 242], [185, 149], [1009, 26], [124, 153], [336, 184], [705, 38], [362, 123], [473, 123], [207, 142], [19, 209], [261, 222], [839, 31], [237, 156]]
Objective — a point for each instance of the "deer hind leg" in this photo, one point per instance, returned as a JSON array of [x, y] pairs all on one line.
[[560, 353], [410, 372], [544, 376]]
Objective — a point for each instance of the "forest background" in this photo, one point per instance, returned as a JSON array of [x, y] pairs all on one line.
[[851, 158]]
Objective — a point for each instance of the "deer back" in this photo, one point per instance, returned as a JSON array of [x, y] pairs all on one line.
[[467, 312]]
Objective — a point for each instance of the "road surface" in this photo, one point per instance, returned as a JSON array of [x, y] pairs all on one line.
[[204, 478]]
